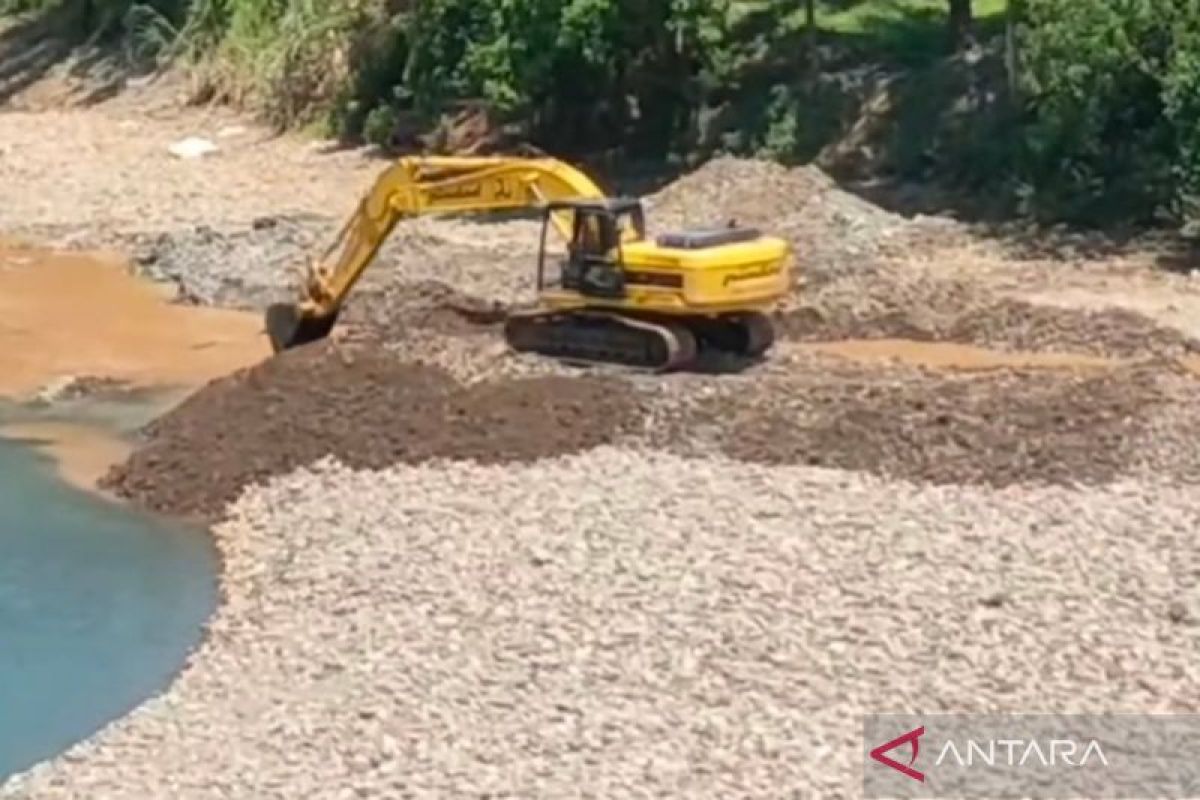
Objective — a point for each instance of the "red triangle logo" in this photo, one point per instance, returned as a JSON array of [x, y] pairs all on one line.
[[906, 769]]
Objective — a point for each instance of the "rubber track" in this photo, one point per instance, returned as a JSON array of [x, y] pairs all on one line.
[[601, 338]]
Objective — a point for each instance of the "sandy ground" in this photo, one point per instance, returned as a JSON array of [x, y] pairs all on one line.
[[452, 571]]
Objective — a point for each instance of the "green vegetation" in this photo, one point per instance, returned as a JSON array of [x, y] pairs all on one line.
[[1087, 111], [910, 32]]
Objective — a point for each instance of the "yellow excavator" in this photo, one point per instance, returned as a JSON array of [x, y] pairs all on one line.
[[615, 297]]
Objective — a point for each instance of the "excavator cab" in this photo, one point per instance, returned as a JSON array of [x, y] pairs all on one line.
[[594, 265]]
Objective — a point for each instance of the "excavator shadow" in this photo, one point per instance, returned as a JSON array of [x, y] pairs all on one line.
[[722, 363]]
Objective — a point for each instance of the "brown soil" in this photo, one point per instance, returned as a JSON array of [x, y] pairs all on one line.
[[952, 356], [1008, 324], [398, 312], [929, 311], [363, 406], [996, 428]]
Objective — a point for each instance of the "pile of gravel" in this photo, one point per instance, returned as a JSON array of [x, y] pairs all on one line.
[[953, 311], [238, 267], [264, 261], [1000, 428], [832, 231], [620, 625], [411, 312], [372, 407], [364, 406]]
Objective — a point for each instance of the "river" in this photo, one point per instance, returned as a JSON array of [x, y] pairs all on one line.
[[100, 604]]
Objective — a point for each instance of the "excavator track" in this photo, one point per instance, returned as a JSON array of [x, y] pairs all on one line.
[[748, 335], [599, 338]]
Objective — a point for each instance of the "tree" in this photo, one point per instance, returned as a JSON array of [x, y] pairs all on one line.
[[810, 29], [961, 24], [1015, 14]]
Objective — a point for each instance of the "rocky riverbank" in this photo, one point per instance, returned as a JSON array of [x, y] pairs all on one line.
[[624, 624], [453, 571]]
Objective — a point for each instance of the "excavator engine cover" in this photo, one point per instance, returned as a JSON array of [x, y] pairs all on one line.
[[288, 327], [703, 238]]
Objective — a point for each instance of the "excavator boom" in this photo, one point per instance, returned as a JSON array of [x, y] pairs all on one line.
[[412, 187]]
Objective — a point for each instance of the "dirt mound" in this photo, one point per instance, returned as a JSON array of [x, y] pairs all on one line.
[[999, 429], [363, 406], [397, 312], [749, 191], [1110, 332], [1006, 324], [833, 231]]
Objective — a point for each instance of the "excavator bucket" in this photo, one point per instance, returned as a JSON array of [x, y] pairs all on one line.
[[288, 326]]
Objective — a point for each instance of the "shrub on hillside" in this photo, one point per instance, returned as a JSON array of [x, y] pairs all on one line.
[[1113, 89]]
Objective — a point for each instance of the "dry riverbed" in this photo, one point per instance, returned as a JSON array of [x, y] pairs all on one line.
[[451, 571], [623, 624]]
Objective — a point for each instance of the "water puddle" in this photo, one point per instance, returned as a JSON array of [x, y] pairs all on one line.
[[951, 356], [65, 315]]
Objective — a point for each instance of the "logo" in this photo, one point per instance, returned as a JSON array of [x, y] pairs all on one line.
[[912, 737], [758, 271], [462, 191]]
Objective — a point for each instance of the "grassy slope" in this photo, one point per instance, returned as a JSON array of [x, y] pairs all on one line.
[[285, 68]]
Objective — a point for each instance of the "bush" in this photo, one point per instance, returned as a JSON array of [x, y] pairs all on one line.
[[1112, 87]]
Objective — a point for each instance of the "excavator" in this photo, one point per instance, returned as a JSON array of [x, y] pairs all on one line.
[[615, 297]]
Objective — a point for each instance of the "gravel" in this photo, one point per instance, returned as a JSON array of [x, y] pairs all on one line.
[[955, 313], [1000, 428], [559, 612], [364, 406], [832, 231], [588, 627], [372, 408]]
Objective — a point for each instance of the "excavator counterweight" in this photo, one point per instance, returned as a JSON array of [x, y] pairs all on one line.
[[616, 296]]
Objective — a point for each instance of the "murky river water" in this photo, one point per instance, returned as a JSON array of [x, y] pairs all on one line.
[[99, 607], [99, 604]]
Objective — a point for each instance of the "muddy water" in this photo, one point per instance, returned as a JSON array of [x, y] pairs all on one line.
[[82, 453], [65, 315], [99, 604], [70, 316]]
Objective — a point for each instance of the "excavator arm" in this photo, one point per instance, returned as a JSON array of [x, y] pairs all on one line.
[[413, 187]]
